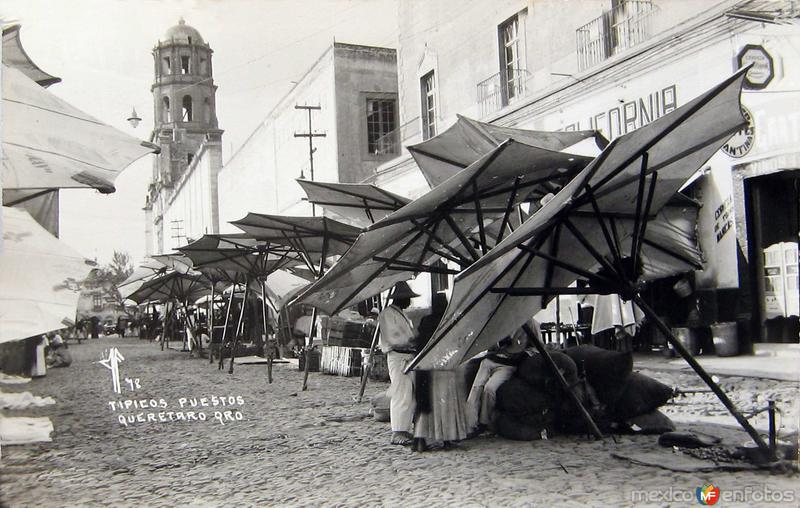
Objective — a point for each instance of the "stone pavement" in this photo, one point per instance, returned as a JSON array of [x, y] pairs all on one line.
[[273, 445]]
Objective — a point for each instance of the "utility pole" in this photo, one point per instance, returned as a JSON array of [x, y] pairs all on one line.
[[310, 135]]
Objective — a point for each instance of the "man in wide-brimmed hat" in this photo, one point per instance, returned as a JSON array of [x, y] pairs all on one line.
[[397, 339]]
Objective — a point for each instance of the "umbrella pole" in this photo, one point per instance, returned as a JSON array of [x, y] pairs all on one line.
[[225, 329], [209, 321], [371, 358], [164, 325], [266, 333], [310, 342], [537, 341], [705, 377], [239, 325], [368, 366], [558, 320]]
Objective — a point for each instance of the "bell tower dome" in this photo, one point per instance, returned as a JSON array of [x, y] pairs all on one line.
[[184, 94]]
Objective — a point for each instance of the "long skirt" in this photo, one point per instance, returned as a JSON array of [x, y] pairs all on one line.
[[446, 420], [39, 364]]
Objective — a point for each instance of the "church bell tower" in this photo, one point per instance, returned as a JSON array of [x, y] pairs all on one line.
[[185, 118]]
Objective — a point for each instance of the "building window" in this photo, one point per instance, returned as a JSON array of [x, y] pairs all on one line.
[[511, 73], [166, 115], [381, 124], [186, 114], [428, 88], [166, 65], [97, 302], [185, 64], [207, 110], [189, 158]]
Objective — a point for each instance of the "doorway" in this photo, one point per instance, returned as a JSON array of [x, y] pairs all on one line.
[[773, 225]]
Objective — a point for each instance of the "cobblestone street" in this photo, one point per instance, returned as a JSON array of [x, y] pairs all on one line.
[[310, 448]]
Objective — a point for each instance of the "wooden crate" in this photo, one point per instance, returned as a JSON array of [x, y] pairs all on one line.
[[353, 334], [342, 361]]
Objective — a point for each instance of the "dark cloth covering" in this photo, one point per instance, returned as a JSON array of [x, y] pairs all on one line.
[[641, 394], [605, 370], [536, 371]]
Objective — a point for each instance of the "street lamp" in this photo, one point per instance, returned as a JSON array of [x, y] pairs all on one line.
[[134, 119]]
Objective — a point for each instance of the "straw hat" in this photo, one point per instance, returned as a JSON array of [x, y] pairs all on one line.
[[403, 290]]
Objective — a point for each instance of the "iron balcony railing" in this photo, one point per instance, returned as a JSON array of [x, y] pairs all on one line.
[[501, 89], [616, 30], [390, 143]]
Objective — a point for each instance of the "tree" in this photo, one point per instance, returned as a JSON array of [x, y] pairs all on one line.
[[120, 267], [110, 276]]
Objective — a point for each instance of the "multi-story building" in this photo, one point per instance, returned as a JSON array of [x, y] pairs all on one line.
[[182, 199], [339, 113], [614, 66]]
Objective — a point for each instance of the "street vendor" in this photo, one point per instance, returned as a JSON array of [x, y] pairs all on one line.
[[397, 340], [496, 368], [58, 355]]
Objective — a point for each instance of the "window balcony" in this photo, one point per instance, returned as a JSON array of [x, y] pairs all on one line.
[[616, 30], [501, 89]]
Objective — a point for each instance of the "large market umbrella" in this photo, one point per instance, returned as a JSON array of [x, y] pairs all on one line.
[[247, 259], [452, 221], [172, 286], [40, 278], [315, 239], [467, 140], [48, 143], [184, 287], [150, 268], [592, 230], [360, 204]]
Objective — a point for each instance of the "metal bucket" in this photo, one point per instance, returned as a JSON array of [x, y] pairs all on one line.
[[726, 340]]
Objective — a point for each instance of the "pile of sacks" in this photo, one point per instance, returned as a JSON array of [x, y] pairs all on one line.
[[533, 403]]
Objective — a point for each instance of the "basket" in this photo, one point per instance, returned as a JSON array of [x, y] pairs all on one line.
[[381, 414]]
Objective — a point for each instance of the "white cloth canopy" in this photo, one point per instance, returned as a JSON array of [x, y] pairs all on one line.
[[48, 143], [40, 278]]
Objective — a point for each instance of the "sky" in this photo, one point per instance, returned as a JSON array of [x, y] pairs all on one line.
[[101, 49]]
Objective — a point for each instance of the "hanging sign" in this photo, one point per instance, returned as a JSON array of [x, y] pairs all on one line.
[[763, 70]]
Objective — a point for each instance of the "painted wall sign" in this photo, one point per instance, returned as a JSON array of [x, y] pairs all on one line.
[[723, 219], [742, 141], [763, 70], [630, 115]]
